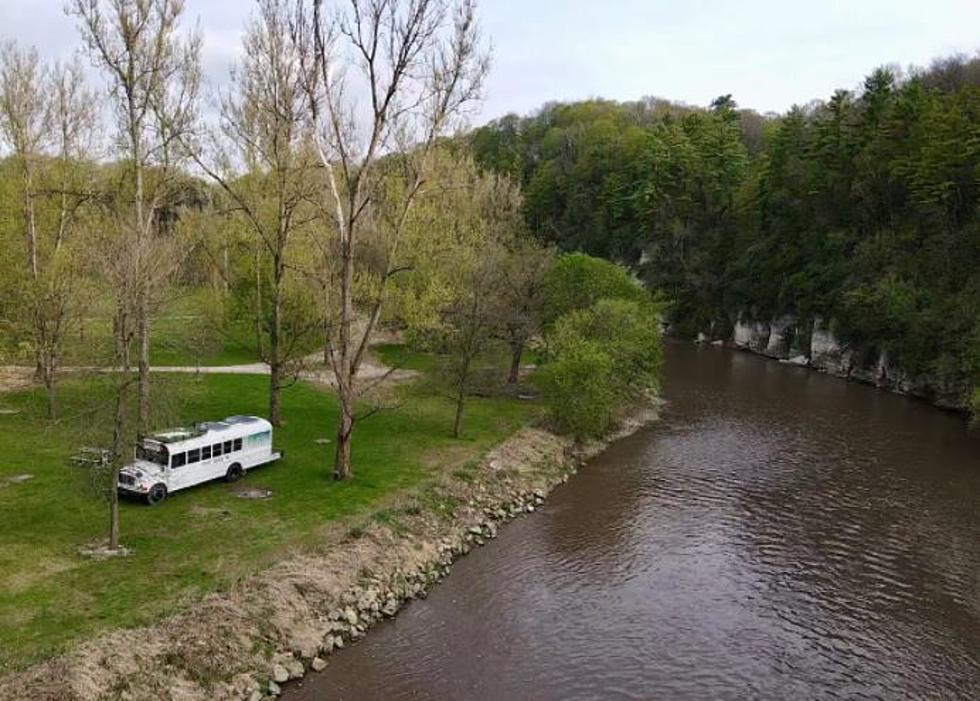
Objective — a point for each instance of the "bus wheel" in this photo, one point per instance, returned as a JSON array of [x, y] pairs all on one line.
[[157, 494], [234, 473]]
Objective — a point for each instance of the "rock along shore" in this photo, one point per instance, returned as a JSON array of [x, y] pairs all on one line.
[[814, 343], [277, 625]]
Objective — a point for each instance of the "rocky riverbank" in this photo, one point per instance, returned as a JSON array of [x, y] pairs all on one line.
[[276, 626], [815, 344]]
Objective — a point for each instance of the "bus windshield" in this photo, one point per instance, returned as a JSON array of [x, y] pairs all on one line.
[[154, 453]]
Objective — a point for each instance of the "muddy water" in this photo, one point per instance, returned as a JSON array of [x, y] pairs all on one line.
[[780, 534]]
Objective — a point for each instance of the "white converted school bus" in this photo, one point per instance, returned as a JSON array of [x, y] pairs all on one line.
[[172, 460]]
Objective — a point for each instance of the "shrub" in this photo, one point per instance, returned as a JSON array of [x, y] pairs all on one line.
[[600, 358], [579, 389], [627, 331]]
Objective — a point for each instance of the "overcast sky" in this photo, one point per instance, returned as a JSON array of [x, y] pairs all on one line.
[[769, 54]]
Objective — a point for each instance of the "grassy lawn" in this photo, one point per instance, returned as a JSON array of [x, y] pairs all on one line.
[[204, 538], [396, 355], [401, 356], [176, 340], [171, 346], [190, 330]]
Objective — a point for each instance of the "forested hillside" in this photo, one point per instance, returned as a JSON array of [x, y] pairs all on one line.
[[857, 212]]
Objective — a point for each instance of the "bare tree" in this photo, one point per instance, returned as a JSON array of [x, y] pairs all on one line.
[[153, 75], [418, 65], [478, 226], [522, 271], [265, 165], [470, 324], [47, 117]]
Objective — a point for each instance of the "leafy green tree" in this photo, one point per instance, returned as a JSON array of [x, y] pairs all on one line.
[[46, 119], [577, 281], [523, 270], [862, 209]]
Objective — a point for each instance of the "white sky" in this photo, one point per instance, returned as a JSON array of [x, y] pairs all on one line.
[[769, 54]]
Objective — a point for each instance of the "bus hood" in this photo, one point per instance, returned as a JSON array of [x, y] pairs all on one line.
[[143, 471]]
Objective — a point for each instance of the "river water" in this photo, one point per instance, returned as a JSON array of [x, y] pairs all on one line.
[[779, 534]]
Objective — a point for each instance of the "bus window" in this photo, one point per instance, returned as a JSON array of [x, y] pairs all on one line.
[[238, 444], [216, 450], [193, 456], [152, 453], [259, 439], [180, 459], [228, 447], [206, 453]]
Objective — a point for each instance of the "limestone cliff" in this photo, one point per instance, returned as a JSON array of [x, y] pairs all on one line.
[[817, 345]]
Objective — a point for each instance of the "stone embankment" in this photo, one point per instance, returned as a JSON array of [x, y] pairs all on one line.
[[816, 345], [277, 626]]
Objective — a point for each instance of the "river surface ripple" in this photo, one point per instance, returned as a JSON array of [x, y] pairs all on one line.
[[779, 535]]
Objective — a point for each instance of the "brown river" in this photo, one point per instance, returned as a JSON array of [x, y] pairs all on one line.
[[778, 535]]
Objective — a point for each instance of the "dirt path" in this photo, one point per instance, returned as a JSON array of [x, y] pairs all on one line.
[[15, 377]]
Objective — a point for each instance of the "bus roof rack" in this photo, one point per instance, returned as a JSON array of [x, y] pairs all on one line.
[[178, 434], [241, 419]]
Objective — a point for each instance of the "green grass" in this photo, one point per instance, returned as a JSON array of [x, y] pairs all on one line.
[[396, 355], [51, 597], [402, 356], [176, 340], [190, 330], [171, 346]]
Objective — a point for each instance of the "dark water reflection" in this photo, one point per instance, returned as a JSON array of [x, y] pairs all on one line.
[[779, 534]]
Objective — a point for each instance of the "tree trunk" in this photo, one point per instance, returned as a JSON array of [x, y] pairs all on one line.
[[259, 344], [342, 464], [464, 373], [114, 513], [143, 416], [458, 421], [326, 328], [31, 222], [142, 288], [275, 351], [49, 388], [517, 351], [345, 430], [275, 393], [118, 436]]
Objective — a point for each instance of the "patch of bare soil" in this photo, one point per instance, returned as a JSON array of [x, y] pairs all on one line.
[[371, 371], [253, 493], [276, 625], [100, 550], [208, 511], [14, 378]]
